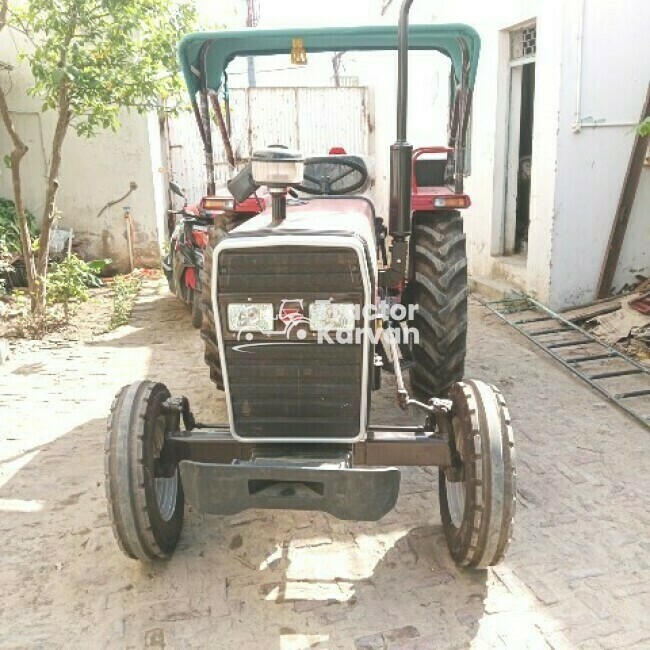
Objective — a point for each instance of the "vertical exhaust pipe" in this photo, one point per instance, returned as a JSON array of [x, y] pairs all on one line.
[[401, 153]]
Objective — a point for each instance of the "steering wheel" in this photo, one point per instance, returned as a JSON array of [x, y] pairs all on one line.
[[333, 175]]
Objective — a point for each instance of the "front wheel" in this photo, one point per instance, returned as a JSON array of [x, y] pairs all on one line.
[[144, 493], [478, 493]]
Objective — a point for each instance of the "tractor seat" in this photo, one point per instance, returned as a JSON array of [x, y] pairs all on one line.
[[334, 175]]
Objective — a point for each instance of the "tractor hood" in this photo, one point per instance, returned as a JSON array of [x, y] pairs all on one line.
[[347, 216], [212, 51]]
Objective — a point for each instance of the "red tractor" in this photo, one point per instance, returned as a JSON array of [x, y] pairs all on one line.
[[303, 309], [188, 238]]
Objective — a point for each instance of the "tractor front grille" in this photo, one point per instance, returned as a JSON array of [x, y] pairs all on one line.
[[286, 387]]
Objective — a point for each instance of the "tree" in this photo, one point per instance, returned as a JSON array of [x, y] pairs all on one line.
[[15, 158], [89, 59]]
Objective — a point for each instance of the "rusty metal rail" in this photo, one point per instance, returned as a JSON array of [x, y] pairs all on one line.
[[511, 310]]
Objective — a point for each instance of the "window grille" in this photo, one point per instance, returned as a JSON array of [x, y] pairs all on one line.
[[523, 42]]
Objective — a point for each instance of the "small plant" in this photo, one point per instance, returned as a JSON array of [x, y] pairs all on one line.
[[97, 268], [9, 230], [69, 281], [126, 288], [5, 265]]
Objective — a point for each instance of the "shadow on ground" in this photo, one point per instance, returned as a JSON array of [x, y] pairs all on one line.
[[296, 580], [260, 579]]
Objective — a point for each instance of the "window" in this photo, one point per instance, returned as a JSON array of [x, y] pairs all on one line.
[[523, 42]]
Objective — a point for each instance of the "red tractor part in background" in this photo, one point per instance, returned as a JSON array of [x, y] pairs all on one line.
[[190, 237], [428, 188]]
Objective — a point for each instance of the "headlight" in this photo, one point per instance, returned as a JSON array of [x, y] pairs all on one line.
[[250, 317], [277, 167], [327, 316]]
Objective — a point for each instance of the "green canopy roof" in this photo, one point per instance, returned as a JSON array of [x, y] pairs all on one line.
[[219, 48]]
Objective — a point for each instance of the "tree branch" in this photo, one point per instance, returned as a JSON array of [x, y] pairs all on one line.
[[16, 156], [52, 184], [385, 6]]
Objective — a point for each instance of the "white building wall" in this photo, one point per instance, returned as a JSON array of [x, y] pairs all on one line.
[[94, 172], [612, 74], [428, 121], [577, 177]]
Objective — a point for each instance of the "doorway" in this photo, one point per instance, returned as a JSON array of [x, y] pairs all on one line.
[[520, 140]]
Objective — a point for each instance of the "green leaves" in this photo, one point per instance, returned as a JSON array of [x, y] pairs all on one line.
[[9, 230], [98, 56], [643, 129], [69, 281], [125, 288], [97, 266]]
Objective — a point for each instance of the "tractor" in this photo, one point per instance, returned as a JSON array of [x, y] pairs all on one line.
[[305, 306]]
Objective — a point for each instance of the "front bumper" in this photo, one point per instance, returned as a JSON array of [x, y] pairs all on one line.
[[352, 494]]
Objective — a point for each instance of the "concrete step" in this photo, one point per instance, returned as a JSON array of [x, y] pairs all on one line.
[[490, 288]]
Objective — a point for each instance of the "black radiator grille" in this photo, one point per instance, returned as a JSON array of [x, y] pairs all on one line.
[[291, 388], [287, 269]]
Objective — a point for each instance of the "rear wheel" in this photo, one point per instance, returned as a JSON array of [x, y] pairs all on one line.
[[439, 289], [144, 493], [208, 327], [478, 494], [197, 311]]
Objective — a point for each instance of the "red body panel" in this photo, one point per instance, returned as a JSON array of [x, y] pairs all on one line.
[[193, 209], [190, 277], [252, 205], [423, 198]]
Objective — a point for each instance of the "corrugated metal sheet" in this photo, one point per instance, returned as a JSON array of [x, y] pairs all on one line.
[[273, 117], [185, 156], [310, 119], [332, 117]]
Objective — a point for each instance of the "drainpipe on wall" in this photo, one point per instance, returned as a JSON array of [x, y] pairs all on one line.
[[128, 222], [577, 117]]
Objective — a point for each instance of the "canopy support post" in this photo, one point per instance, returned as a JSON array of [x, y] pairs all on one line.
[[227, 145], [204, 121], [209, 155]]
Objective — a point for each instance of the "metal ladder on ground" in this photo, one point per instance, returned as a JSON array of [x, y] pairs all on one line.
[[536, 322]]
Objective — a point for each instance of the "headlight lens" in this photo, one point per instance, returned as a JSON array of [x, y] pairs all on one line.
[[250, 317], [327, 316], [284, 172]]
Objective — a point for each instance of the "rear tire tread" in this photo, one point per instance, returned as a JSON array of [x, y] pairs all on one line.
[[208, 327], [440, 291]]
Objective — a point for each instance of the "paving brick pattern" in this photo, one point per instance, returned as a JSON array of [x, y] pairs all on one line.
[[577, 575]]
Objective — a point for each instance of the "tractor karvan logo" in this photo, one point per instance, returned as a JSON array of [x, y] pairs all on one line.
[[295, 322]]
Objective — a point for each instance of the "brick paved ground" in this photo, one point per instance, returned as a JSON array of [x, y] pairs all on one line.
[[578, 573]]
